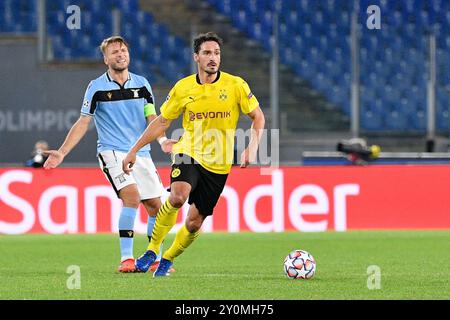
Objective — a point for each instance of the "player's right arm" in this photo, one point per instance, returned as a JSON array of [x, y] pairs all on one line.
[[78, 130], [76, 133], [155, 129]]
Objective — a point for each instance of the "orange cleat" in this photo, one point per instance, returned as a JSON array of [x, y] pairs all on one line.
[[154, 266], [127, 266]]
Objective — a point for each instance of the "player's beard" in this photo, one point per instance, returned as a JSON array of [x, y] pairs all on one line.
[[119, 69], [210, 72], [115, 67]]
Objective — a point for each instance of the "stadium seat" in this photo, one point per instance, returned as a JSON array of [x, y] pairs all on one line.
[[443, 110], [396, 19], [169, 46], [143, 20], [127, 6], [239, 19], [339, 95], [371, 121], [418, 121], [56, 20], [443, 121], [58, 5], [395, 121], [155, 57], [223, 6], [129, 27]]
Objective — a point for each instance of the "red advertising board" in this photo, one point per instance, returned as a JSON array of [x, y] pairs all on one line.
[[289, 198]]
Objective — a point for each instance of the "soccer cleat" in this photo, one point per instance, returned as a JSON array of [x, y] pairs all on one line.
[[163, 268], [144, 262], [127, 266], [155, 265]]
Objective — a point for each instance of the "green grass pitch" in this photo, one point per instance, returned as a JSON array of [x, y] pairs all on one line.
[[244, 266]]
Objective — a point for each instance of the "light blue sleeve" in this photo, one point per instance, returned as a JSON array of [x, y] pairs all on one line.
[[89, 101], [149, 88]]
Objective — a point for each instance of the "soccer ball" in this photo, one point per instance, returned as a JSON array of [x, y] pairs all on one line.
[[299, 264]]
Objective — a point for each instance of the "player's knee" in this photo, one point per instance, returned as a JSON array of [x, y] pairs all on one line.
[[131, 201], [177, 200], [152, 206], [193, 225], [152, 210], [130, 196]]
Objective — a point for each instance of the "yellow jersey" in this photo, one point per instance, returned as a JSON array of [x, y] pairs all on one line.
[[210, 115]]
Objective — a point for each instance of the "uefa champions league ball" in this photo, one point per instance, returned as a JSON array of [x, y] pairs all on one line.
[[299, 264]]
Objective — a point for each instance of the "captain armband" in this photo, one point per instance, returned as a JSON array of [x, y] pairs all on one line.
[[149, 110]]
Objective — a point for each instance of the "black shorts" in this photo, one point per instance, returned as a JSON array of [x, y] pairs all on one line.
[[206, 186]]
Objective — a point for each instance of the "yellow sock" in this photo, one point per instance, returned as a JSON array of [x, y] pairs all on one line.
[[165, 220], [183, 239]]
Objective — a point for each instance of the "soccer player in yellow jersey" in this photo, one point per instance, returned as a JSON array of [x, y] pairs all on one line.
[[210, 102]]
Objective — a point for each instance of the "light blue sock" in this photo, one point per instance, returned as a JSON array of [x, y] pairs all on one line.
[[126, 232], [150, 224]]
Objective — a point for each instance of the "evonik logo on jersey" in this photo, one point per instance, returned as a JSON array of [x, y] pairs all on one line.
[[209, 115]]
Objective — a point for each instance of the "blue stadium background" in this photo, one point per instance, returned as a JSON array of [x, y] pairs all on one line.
[[314, 44]]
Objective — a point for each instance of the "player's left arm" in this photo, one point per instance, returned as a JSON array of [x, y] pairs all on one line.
[[258, 121]]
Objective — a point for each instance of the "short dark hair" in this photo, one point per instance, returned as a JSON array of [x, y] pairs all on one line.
[[203, 37], [110, 40]]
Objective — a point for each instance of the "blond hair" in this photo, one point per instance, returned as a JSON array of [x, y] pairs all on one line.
[[110, 40]]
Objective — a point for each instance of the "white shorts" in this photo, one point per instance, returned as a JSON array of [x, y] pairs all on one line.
[[144, 174]]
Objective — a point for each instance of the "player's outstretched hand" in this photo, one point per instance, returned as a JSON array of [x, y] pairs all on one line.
[[167, 145], [248, 156], [54, 159], [128, 162]]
